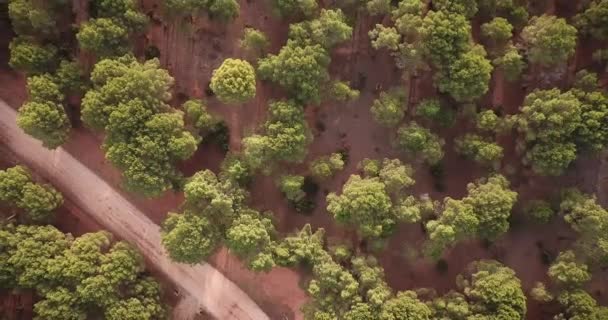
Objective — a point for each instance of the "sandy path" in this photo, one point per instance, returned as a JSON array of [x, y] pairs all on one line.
[[215, 293]]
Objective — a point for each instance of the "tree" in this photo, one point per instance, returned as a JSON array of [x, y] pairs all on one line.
[[342, 92], [389, 109], [566, 272], [378, 7], [445, 37], [224, 10], [285, 136], [299, 70], [511, 63], [540, 211], [250, 237], [592, 132], [468, 8], [434, 110], [497, 32], [487, 120], [30, 57], [326, 166], [588, 218], [548, 120], [104, 37], [144, 137], [492, 201], [32, 18], [70, 77], [484, 212], [108, 34], [291, 187], [468, 77], [286, 8], [198, 115], [364, 204], [549, 40], [333, 287], [234, 81], [254, 41], [395, 175], [479, 149], [493, 290], [405, 305], [43, 117], [189, 238], [418, 140], [384, 37], [328, 30], [78, 278], [594, 20], [19, 190]]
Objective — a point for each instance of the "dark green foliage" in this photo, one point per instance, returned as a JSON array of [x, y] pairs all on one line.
[[548, 120], [434, 110], [539, 211], [80, 278], [484, 213], [550, 40], [108, 33], [234, 81], [286, 8], [421, 141], [144, 136], [594, 20], [29, 56], [511, 62], [213, 213], [299, 70], [468, 8], [467, 77], [590, 220], [479, 149], [328, 30], [43, 116], [389, 109], [18, 189], [445, 37], [285, 136]]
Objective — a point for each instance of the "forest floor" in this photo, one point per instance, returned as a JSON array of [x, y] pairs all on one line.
[[192, 49]]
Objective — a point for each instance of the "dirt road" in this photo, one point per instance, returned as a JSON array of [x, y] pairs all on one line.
[[211, 290]]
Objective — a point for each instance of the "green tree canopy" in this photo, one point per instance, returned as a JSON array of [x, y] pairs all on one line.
[[18, 189], [594, 20], [78, 278], [445, 36], [479, 149], [389, 109], [326, 166], [419, 140], [234, 81], [550, 40], [493, 291], [365, 204], [144, 137], [328, 30], [285, 136], [108, 33], [468, 8], [484, 213], [299, 70], [467, 77], [29, 56]]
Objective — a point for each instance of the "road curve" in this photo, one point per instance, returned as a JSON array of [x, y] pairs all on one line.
[[219, 296]]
